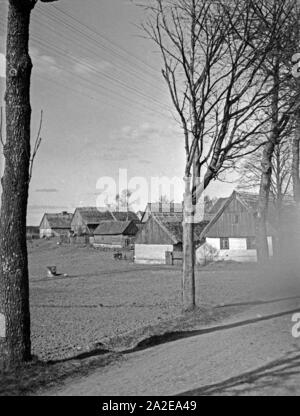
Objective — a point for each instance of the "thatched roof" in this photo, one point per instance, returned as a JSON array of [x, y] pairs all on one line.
[[59, 221], [112, 227], [94, 216]]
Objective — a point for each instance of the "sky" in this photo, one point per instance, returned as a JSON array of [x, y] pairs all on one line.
[[105, 104]]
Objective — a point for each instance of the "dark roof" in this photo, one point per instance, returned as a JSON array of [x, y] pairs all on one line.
[[173, 226], [59, 221], [92, 216], [112, 227], [250, 202], [126, 216]]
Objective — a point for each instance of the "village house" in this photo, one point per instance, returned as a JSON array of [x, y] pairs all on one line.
[[55, 225], [230, 234], [86, 220], [160, 239], [114, 234]]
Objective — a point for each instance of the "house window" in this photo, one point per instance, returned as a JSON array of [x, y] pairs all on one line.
[[236, 219], [251, 243], [224, 244]]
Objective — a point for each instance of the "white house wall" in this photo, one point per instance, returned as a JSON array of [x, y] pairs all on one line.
[[151, 254], [237, 252], [46, 233]]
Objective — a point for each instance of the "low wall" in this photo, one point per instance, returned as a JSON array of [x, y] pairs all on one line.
[[151, 254]]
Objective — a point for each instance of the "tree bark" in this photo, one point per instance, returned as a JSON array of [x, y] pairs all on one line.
[[15, 348], [266, 176], [188, 281], [296, 159]]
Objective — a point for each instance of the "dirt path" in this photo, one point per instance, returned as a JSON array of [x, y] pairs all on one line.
[[203, 364]]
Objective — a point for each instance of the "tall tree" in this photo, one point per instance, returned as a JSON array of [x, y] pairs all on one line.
[[275, 19], [15, 346], [216, 85], [281, 180]]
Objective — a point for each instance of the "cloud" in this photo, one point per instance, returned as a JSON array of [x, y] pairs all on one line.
[[2, 65], [44, 208], [47, 190], [44, 64]]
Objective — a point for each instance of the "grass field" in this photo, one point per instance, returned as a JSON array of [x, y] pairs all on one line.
[[102, 298]]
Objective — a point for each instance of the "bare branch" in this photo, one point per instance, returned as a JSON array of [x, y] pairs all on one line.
[[36, 146]]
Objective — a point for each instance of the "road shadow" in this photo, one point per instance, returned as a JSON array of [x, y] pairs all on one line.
[[274, 375], [257, 302], [166, 338]]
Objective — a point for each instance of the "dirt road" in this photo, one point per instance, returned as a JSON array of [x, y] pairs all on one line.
[[237, 357]]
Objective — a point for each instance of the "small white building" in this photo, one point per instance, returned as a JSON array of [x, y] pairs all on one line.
[[162, 235]]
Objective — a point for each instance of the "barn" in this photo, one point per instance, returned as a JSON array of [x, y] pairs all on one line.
[[86, 220], [115, 234], [55, 225], [230, 235], [160, 237]]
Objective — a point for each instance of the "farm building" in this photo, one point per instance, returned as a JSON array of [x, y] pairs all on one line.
[[86, 220], [161, 238], [160, 208], [115, 234], [230, 235], [55, 225]]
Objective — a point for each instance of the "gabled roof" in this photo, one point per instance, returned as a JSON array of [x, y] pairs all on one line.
[[217, 206], [112, 227], [59, 221], [248, 200], [126, 216], [93, 216], [172, 225]]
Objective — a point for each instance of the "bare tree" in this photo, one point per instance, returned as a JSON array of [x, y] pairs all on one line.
[[15, 345], [276, 19], [217, 88], [281, 181]]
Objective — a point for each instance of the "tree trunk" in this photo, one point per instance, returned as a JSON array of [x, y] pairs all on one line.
[[266, 176], [15, 347], [188, 282], [262, 242], [296, 160]]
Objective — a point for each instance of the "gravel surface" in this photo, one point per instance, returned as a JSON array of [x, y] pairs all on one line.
[[102, 298]]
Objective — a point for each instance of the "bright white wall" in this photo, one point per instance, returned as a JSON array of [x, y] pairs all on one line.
[[151, 254], [214, 242], [238, 244]]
